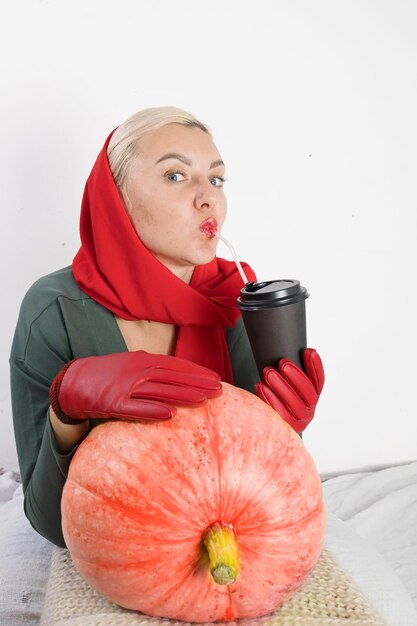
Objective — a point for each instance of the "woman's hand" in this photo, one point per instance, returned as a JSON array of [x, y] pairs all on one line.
[[130, 385], [291, 392]]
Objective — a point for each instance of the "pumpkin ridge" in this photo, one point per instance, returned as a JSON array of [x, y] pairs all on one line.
[[168, 591], [153, 606], [102, 563], [159, 507], [103, 560], [177, 442], [256, 498], [270, 528], [186, 478], [214, 438], [130, 512], [249, 549], [253, 499]]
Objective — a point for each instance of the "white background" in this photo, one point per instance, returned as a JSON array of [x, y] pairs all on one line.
[[313, 105]]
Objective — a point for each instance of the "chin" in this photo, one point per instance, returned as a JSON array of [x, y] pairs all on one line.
[[204, 258]]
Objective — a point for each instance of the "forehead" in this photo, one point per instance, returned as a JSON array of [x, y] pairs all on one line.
[[187, 140]]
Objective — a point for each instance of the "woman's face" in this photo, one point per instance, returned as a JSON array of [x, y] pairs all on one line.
[[175, 198]]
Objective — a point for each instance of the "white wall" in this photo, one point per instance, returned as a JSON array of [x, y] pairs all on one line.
[[313, 107]]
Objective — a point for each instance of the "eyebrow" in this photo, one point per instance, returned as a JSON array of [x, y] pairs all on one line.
[[186, 160]]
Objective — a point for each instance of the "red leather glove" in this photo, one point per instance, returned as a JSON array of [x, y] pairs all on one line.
[[291, 392], [130, 385]]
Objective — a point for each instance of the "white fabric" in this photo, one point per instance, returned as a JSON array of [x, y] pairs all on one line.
[[24, 560], [381, 507], [372, 574]]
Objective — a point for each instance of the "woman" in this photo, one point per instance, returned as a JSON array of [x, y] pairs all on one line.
[[146, 317]]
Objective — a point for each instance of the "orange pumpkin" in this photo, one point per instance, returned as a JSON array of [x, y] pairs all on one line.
[[216, 514]]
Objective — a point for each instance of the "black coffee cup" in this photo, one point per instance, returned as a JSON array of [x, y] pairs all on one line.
[[274, 315]]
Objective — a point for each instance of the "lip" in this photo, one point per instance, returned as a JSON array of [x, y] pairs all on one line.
[[209, 227]]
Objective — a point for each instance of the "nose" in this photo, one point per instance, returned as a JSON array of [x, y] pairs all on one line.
[[205, 195]]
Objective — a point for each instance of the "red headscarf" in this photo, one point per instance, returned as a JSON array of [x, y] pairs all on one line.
[[115, 268]]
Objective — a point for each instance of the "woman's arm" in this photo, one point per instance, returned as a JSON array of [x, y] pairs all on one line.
[[43, 462], [67, 436], [42, 345]]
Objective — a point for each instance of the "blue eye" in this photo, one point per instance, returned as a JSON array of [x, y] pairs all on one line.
[[175, 177], [219, 179]]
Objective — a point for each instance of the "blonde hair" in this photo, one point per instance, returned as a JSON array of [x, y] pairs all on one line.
[[123, 143]]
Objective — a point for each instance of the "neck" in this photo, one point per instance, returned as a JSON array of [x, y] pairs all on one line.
[[185, 274], [182, 272]]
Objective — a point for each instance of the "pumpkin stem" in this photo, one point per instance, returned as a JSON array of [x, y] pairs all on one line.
[[221, 545]]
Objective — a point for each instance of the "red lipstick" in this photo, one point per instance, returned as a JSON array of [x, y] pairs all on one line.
[[209, 227]]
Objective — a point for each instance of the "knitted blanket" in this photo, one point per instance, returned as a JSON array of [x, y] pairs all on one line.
[[328, 598]]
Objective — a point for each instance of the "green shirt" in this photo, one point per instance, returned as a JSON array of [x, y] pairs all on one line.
[[59, 322]]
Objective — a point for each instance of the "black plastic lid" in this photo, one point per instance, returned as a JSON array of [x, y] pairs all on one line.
[[270, 294]]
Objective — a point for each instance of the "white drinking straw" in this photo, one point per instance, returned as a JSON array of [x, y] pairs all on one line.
[[236, 260]]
